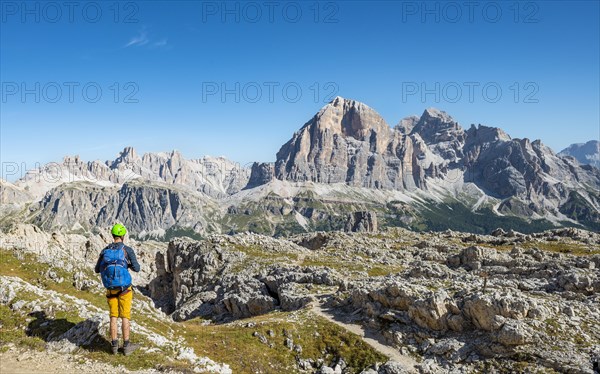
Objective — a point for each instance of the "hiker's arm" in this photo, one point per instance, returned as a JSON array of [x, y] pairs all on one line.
[[133, 263], [97, 269]]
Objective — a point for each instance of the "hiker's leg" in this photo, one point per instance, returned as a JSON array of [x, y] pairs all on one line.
[[113, 328], [125, 327], [125, 314], [113, 310]]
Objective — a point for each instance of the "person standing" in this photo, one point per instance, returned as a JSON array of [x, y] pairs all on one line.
[[113, 265]]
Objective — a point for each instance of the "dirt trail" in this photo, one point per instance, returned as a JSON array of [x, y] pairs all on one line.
[[372, 338], [19, 361]]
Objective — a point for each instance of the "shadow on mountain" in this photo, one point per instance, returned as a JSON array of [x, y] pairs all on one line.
[[85, 334]]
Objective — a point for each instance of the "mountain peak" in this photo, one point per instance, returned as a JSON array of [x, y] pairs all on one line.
[[585, 153], [340, 99], [436, 126], [430, 113], [487, 134], [406, 124], [345, 104], [129, 152], [349, 118], [127, 156], [71, 160]]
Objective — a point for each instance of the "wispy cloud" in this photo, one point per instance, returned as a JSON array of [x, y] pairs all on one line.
[[144, 38], [138, 40]]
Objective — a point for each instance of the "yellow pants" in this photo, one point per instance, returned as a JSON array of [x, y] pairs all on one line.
[[120, 306]]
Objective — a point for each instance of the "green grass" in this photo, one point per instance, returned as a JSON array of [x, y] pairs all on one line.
[[381, 270], [227, 343], [12, 330], [577, 249], [552, 327], [244, 353], [33, 331], [172, 233], [260, 256], [333, 262], [31, 270], [581, 210]]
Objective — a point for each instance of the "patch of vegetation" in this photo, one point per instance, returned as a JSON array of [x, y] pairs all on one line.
[[579, 209], [381, 270], [319, 338], [573, 248], [12, 330], [552, 326], [177, 232], [31, 270], [332, 261], [454, 215], [458, 217], [332, 223], [577, 249], [258, 255], [289, 228]]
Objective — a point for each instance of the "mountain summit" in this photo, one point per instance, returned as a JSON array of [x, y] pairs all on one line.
[[345, 162], [586, 153], [348, 142]]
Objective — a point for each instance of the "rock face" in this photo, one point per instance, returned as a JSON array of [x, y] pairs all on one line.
[[345, 159], [526, 170], [143, 207], [260, 173], [361, 222], [9, 193], [215, 177], [12, 199], [586, 153], [348, 142], [212, 280]]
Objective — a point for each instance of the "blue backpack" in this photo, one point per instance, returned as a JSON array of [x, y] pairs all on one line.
[[114, 268]]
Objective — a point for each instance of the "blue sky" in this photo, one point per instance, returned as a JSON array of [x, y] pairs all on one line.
[[162, 68]]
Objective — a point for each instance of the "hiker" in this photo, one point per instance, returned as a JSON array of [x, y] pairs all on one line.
[[113, 265]]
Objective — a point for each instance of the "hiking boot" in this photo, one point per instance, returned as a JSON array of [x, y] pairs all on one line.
[[115, 349], [130, 348]]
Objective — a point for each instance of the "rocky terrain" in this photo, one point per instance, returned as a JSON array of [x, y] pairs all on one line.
[[344, 161], [348, 142], [387, 301], [586, 153], [362, 249]]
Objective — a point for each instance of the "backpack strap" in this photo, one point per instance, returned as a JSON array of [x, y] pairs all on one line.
[[123, 248], [125, 252]]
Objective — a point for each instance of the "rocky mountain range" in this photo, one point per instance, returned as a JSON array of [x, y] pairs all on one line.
[[305, 265], [343, 163], [586, 153]]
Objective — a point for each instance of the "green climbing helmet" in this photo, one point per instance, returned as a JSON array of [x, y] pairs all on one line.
[[118, 230]]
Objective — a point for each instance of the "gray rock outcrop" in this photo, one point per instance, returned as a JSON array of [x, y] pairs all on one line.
[[361, 222], [586, 153]]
